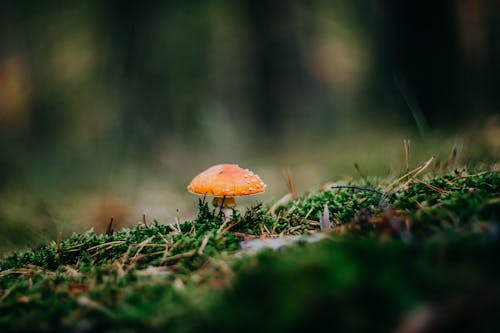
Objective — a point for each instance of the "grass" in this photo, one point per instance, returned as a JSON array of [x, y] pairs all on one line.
[[420, 248]]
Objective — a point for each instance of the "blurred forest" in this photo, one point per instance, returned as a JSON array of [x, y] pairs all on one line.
[[109, 108]]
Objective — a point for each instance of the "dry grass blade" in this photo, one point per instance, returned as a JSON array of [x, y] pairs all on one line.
[[290, 183], [179, 256], [87, 302], [109, 229], [20, 271], [361, 174], [223, 225], [152, 254], [423, 166], [109, 244], [167, 242], [174, 229], [413, 172], [432, 187], [70, 271], [275, 224], [309, 213], [419, 205], [293, 229], [6, 293], [155, 245], [469, 176], [28, 271], [280, 203], [204, 243], [120, 271], [406, 143], [151, 271], [264, 230], [74, 248], [140, 246], [59, 239], [228, 228], [453, 158]]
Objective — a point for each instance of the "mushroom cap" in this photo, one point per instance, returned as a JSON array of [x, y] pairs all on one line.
[[227, 180]]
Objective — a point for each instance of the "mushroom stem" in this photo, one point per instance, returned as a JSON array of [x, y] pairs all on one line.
[[226, 205], [227, 214], [224, 202]]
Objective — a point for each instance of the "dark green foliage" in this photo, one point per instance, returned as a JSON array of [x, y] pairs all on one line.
[[343, 203], [161, 277], [360, 286], [462, 203]]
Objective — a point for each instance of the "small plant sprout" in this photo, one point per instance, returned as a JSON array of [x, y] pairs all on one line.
[[324, 219], [225, 182]]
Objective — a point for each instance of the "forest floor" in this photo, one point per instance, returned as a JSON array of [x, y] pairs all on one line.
[[416, 252]]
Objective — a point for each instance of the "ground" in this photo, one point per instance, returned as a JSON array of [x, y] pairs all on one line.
[[415, 252]]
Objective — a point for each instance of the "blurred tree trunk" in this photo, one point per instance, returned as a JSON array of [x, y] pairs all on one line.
[[440, 49], [125, 22], [4, 144], [279, 76]]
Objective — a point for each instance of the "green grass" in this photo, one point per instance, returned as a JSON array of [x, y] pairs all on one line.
[[416, 244]]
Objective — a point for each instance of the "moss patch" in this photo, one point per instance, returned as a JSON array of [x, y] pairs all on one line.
[[391, 250]]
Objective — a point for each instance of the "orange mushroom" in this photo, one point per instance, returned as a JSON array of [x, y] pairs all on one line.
[[225, 182]]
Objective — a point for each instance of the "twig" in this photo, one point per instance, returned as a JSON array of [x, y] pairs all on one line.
[[29, 270], [204, 243], [267, 230], [432, 187], [413, 172], [87, 302], [275, 224], [292, 229], [140, 246], [228, 228], [406, 143], [180, 256], [281, 202], [174, 229], [109, 230], [59, 239], [287, 174], [221, 228], [309, 213], [423, 167], [109, 244]]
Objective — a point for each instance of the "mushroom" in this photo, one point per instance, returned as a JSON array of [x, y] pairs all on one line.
[[225, 182]]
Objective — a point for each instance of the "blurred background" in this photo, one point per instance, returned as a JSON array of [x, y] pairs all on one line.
[[110, 108]]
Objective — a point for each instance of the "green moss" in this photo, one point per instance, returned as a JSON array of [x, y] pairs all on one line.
[[193, 276], [360, 286]]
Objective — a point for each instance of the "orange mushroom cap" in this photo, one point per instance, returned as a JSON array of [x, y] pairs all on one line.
[[227, 180]]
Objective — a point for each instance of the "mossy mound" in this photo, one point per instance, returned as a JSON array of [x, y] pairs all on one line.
[[424, 249]]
